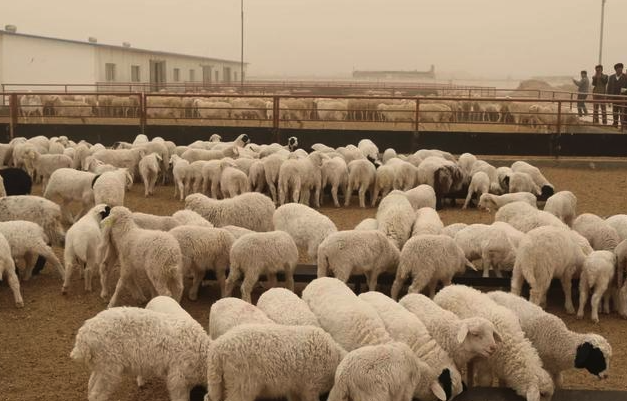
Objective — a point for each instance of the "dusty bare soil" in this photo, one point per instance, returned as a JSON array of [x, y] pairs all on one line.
[[35, 342]]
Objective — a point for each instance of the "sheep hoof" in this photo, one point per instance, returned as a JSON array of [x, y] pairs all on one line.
[[64, 290], [19, 304], [579, 317]]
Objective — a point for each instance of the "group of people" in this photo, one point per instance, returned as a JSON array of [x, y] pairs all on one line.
[[604, 88]]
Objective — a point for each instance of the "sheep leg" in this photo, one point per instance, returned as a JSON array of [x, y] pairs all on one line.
[[468, 198], [14, 283], [47, 253], [66, 213], [70, 263], [517, 280], [567, 284], [234, 275], [176, 187], [606, 303], [289, 278], [372, 278], [486, 268], [214, 189], [123, 281], [583, 295], [399, 280], [599, 290], [177, 388], [198, 275], [537, 295], [271, 281], [102, 385], [248, 284], [272, 189], [362, 196], [221, 276], [348, 194]]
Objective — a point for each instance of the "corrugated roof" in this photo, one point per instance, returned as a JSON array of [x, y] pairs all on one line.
[[134, 49]]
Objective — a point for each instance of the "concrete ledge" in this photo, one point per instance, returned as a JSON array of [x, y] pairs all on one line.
[[505, 394]]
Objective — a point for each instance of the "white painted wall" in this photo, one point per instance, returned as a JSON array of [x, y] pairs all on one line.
[[39, 61]]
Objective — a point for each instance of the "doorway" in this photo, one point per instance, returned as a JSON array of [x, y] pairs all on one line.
[[157, 75]]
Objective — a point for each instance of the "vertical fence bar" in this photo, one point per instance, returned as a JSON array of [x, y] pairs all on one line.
[[13, 110], [275, 117], [142, 112], [417, 116], [559, 117], [3, 100]]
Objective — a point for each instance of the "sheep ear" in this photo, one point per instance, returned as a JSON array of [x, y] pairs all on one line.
[[462, 333], [438, 391]]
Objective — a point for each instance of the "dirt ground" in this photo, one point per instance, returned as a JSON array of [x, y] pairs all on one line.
[[35, 342]]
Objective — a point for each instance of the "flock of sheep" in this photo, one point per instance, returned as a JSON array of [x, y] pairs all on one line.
[[431, 110], [329, 340]]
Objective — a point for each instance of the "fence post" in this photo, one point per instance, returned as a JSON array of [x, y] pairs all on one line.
[[559, 117], [275, 117], [13, 110], [417, 120], [142, 112]]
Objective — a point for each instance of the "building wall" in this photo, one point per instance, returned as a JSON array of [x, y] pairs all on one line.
[[39, 61]]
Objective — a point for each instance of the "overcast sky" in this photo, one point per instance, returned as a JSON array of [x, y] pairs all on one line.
[[486, 38]]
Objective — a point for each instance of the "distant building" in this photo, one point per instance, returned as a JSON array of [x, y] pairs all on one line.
[[33, 59], [395, 75]]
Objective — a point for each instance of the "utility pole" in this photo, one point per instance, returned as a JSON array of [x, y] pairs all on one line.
[[601, 36], [241, 65]]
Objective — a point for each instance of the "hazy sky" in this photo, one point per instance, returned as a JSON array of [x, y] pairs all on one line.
[[323, 37]]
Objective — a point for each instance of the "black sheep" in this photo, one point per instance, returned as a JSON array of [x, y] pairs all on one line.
[[16, 181]]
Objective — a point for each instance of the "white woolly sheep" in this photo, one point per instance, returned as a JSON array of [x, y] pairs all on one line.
[[546, 188], [38, 210], [383, 183], [597, 272], [350, 321], [559, 348], [228, 313], [462, 339], [82, 243], [361, 177], [335, 173], [515, 362], [501, 174], [298, 362], [110, 187], [161, 258], [271, 167], [388, 154], [70, 185], [543, 254], [236, 231], [307, 226], [367, 252], [257, 176], [429, 259], [405, 174], [395, 217], [521, 182], [385, 372], [369, 149], [149, 171], [525, 217], [421, 196], [619, 223], [233, 182], [466, 162], [45, 165], [427, 222], [491, 202], [7, 270], [562, 205], [181, 174], [121, 158], [142, 343], [405, 327], [368, 224], [597, 231], [262, 253], [285, 307], [453, 229], [479, 185], [253, 211], [298, 176], [621, 266], [203, 249]]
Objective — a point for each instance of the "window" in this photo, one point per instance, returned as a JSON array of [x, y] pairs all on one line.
[[235, 76], [177, 73], [192, 78], [110, 72], [217, 74], [135, 77]]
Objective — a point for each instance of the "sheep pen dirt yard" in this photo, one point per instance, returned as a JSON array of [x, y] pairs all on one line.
[[36, 341]]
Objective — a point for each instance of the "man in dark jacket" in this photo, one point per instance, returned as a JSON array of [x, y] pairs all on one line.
[[599, 87], [617, 85]]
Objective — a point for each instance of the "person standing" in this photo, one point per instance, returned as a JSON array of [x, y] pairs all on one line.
[[583, 86], [599, 87], [616, 85]]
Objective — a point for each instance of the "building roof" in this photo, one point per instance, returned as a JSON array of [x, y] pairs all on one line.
[[124, 48]]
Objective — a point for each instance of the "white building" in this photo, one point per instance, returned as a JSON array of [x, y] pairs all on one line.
[[32, 59]]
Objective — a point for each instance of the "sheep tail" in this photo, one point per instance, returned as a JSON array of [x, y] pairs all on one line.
[[470, 265], [81, 352], [214, 375]]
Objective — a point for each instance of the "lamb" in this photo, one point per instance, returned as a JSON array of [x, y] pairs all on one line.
[[38, 210], [430, 259], [355, 252], [182, 174], [385, 372], [335, 173], [307, 227], [562, 205], [501, 174], [466, 162], [427, 222], [261, 253], [453, 229], [251, 210], [70, 185], [203, 249], [495, 202], [228, 313], [285, 307], [361, 177], [388, 154], [421, 196], [7, 270], [618, 222], [233, 182], [153, 222], [257, 176], [405, 327], [82, 243], [369, 149], [521, 182], [45, 165], [161, 257], [515, 362], [479, 185], [490, 170], [294, 361], [597, 272], [149, 171], [546, 188], [601, 235], [143, 343], [16, 181], [547, 253], [525, 217], [462, 339], [271, 167], [109, 187], [559, 348], [368, 224], [395, 217], [384, 182], [444, 176], [404, 174], [121, 158], [302, 175], [350, 321]]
